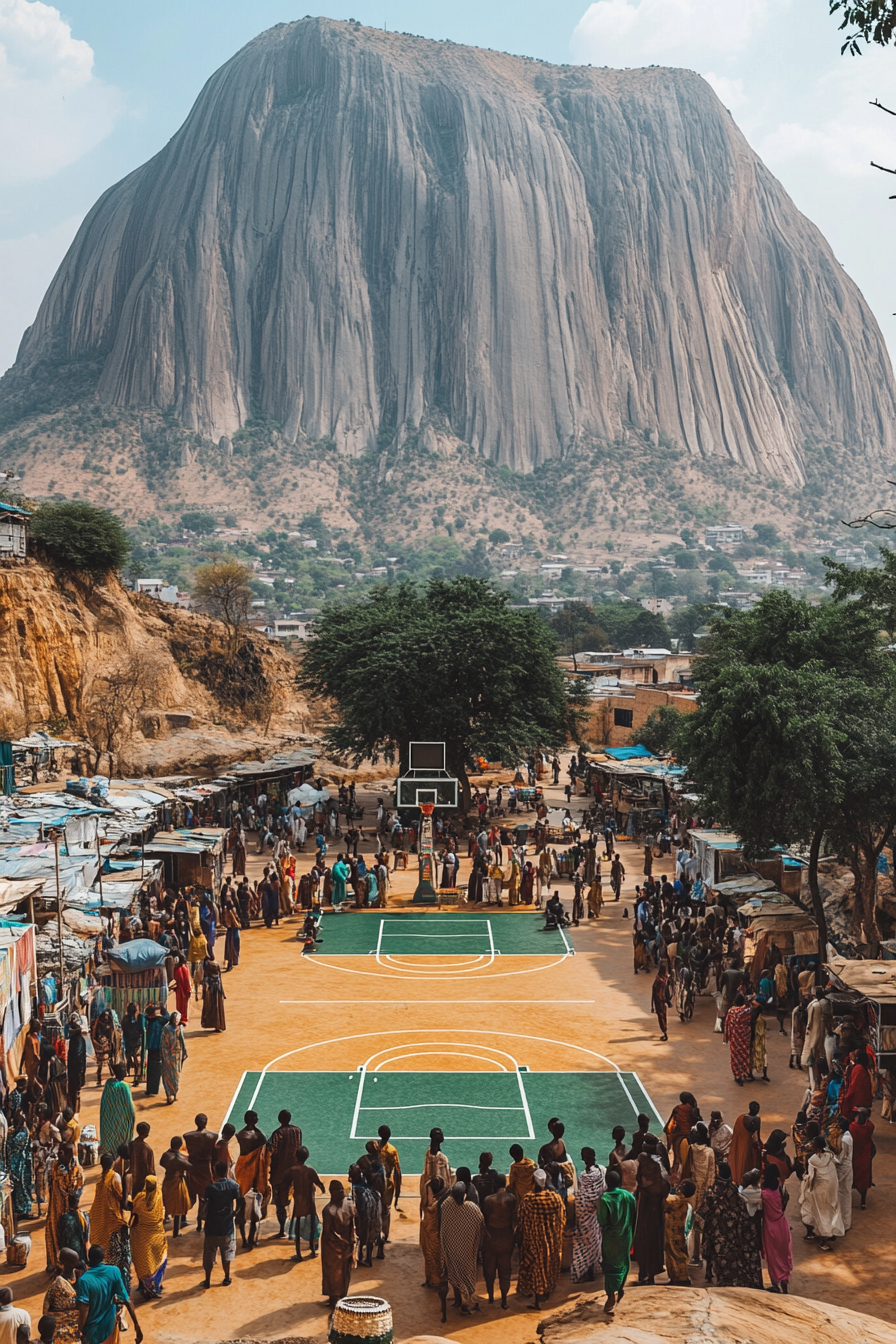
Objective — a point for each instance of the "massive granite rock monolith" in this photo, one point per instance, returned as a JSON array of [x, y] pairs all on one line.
[[356, 229]]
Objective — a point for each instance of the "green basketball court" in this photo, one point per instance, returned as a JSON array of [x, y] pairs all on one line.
[[468, 935], [477, 1111]]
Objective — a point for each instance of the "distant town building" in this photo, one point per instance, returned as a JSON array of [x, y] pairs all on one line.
[[13, 532], [290, 629], [724, 536], [162, 592]]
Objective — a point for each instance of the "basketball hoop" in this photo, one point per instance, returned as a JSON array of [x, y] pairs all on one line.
[[427, 808]]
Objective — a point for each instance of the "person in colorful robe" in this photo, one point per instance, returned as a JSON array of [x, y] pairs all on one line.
[[149, 1244], [460, 1239], [616, 1214], [587, 1241], [542, 1218], [739, 1036], [116, 1112]]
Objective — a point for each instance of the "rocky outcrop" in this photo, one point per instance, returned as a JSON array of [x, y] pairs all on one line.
[[725, 1315], [59, 640], [354, 227]]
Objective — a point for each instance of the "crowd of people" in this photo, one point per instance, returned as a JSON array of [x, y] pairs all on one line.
[[668, 1200]]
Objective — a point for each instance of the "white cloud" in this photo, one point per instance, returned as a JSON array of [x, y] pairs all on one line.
[[839, 129], [27, 265], [611, 31], [53, 109], [730, 91]]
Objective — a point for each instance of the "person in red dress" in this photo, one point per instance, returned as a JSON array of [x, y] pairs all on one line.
[[183, 988], [862, 1131]]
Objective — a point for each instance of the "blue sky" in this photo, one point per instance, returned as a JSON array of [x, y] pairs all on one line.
[[92, 88]]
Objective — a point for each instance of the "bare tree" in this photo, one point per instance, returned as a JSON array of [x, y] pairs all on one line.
[[114, 702], [222, 589]]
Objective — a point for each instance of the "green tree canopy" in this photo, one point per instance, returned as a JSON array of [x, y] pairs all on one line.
[[872, 21], [767, 534], [628, 625], [577, 627], [661, 730], [450, 663], [80, 537], [686, 621], [795, 736], [196, 520]]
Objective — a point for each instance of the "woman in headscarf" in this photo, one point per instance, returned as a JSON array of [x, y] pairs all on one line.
[[820, 1196], [586, 1243], [678, 1215], [174, 1052], [616, 1214], [213, 997], [149, 1245], [542, 1218], [19, 1156], [729, 1243], [739, 1037], [858, 1089], [776, 1156], [649, 1230], [109, 1224], [777, 1247], [66, 1178], [116, 1112], [59, 1299], [460, 1237], [73, 1231]]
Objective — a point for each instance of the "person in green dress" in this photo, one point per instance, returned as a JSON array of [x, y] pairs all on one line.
[[616, 1213]]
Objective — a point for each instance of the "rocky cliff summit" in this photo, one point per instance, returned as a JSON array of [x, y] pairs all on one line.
[[355, 231]]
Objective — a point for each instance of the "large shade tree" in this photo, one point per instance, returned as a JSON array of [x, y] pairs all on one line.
[[795, 737], [452, 663]]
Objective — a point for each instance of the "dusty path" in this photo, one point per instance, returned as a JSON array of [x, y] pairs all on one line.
[[278, 1003]]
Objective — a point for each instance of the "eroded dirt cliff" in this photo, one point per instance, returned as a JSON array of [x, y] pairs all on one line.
[[76, 658]]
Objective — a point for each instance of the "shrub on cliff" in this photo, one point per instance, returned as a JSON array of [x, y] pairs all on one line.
[[78, 536]]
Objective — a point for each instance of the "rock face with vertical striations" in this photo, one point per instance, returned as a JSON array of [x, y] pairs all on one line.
[[354, 230]]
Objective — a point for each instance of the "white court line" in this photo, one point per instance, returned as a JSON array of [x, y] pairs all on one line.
[[328, 964], [491, 938], [438, 1054], [235, 1095], [369, 1067], [430, 936], [379, 940], [570, 950], [406, 1032], [647, 1095], [525, 1101], [357, 1109], [442, 1105]]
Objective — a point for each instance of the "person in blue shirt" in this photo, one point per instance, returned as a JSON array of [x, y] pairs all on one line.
[[99, 1293]]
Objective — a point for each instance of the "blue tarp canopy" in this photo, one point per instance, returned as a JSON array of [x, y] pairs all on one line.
[[141, 954], [626, 753]]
